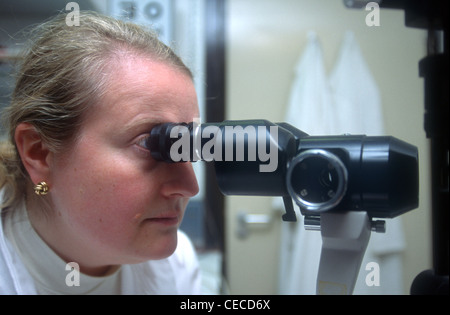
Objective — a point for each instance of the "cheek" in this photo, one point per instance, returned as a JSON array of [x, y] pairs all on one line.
[[112, 190], [95, 190]]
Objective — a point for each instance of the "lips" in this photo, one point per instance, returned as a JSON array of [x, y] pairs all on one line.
[[167, 219]]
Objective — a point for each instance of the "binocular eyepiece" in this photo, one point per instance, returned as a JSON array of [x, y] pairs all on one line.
[[320, 173]]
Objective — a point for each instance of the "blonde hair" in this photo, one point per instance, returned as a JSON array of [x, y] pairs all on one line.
[[60, 77]]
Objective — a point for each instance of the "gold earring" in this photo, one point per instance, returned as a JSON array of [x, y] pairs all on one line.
[[41, 189]]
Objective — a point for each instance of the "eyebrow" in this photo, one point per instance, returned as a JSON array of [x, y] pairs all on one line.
[[145, 122], [148, 122]]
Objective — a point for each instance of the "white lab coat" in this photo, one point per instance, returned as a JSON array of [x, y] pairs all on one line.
[[308, 110], [177, 274]]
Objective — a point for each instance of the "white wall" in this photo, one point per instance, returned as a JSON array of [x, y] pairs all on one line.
[[265, 39]]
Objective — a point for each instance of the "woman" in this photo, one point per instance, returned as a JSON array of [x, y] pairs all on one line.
[[78, 184]]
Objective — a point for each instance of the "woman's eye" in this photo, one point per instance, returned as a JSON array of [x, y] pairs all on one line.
[[143, 141]]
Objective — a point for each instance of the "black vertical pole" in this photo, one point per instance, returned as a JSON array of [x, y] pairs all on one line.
[[215, 112]]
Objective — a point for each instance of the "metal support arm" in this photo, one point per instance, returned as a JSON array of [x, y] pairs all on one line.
[[345, 238]]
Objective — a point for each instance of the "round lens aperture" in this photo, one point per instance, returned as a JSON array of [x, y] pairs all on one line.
[[317, 180]]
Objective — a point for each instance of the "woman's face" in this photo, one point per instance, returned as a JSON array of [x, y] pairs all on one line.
[[113, 201]]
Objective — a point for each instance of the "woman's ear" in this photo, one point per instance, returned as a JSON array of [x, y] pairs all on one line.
[[33, 152]]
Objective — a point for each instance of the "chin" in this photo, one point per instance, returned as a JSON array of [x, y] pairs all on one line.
[[161, 248]]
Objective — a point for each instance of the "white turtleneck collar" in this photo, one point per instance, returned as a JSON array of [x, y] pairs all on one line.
[[46, 267]]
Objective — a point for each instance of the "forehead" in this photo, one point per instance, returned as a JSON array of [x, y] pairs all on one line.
[[139, 88]]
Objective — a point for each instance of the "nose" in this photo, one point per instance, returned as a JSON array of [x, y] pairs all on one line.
[[180, 180]]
